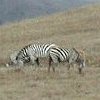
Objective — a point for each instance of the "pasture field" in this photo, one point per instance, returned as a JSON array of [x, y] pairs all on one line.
[[79, 28]]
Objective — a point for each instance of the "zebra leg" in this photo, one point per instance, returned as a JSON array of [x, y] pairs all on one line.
[[55, 60], [33, 59], [37, 61], [70, 62], [80, 69], [82, 65], [50, 61]]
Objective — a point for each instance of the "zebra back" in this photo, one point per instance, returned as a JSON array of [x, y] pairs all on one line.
[[34, 51]]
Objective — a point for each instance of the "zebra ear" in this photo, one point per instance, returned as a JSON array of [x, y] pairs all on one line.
[[75, 50]]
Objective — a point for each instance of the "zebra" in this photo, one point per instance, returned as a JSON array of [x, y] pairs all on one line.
[[31, 53], [68, 55]]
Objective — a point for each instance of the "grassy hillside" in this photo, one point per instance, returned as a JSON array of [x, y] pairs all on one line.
[[79, 28]]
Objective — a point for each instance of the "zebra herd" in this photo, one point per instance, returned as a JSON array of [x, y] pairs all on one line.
[[32, 53]]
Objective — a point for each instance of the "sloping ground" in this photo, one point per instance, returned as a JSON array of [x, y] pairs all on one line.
[[79, 28]]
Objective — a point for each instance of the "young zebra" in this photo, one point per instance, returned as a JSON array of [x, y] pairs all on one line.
[[31, 53], [68, 55]]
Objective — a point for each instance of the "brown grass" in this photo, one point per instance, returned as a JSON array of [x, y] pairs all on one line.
[[79, 28]]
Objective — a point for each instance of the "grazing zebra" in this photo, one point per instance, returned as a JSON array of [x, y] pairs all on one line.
[[68, 55], [31, 53]]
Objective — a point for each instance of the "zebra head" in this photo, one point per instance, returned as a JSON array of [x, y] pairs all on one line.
[[12, 59], [80, 59]]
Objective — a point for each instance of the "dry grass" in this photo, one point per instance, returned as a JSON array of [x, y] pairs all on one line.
[[78, 28], [28, 84]]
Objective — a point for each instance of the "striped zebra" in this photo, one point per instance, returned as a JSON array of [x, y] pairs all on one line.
[[68, 55], [31, 53]]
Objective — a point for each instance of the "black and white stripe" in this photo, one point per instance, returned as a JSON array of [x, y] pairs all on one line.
[[68, 55], [31, 53]]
